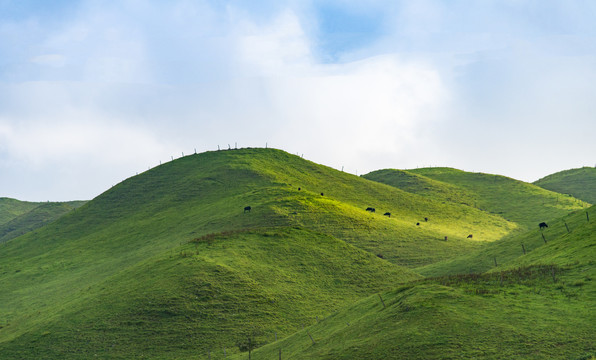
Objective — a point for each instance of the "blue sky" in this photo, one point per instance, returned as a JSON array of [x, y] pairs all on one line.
[[93, 92]]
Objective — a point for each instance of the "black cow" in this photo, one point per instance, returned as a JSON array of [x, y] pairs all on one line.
[[387, 214], [371, 209], [470, 236], [247, 208], [542, 225], [425, 219]]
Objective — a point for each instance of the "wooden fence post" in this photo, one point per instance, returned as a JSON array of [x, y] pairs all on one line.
[[310, 336], [382, 302], [567, 228], [524, 249]]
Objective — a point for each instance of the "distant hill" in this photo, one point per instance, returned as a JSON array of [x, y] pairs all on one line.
[[38, 216], [11, 208], [580, 183], [537, 306], [513, 200]]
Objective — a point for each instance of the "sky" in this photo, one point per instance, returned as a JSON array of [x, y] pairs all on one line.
[[93, 92]]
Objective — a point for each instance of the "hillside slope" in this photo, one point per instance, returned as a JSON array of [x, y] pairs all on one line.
[[169, 262], [579, 183], [35, 218], [516, 201], [539, 306], [11, 208]]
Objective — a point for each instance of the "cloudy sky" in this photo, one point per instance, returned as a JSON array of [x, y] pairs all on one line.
[[92, 92]]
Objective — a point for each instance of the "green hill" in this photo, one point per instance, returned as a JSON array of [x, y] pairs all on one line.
[[539, 306], [37, 217], [580, 183], [11, 208], [168, 263], [171, 264], [513, 200]]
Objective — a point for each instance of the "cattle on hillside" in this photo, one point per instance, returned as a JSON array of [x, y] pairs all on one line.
[[542, 225]]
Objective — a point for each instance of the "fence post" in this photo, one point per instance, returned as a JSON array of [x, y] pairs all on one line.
[[310, 336], [524, 249], [496, 262], [567, 228], [543, 238], [382, 302]]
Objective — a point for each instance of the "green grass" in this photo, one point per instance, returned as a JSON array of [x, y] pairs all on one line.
[[522, 203], [538, 306], [51, 274], [511, 249], [167, 264], [35, 218], [575, 182], [208, 294], [11, 208]]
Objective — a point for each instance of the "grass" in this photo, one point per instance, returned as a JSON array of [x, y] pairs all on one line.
[[575, 182], [538, 306], [11, 208], [35, 218], [208, 293], [167, 264], [516, 201]]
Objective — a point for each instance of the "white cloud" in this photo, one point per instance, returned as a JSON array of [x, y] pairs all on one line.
[[124, 86]]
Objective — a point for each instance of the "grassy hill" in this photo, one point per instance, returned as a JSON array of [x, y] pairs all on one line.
[[539, 305], [168, 263], [11, 208], [579, 183], [513, 200], [36, 217]]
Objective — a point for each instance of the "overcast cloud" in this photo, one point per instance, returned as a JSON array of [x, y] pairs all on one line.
[[93, 92]]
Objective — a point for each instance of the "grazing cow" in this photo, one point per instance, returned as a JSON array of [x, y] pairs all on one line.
[[542, 225], [387, 214], [425, 219], [470, 236], [322, 194], [445, 238], [371, 209], [417, 224], [299, 189], [247, 208]]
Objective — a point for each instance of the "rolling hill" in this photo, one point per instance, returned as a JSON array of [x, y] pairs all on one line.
[[161, 261], [578, 183], [171, 264], [536, 306], [11, 208], [34, 218], [513, 200]]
